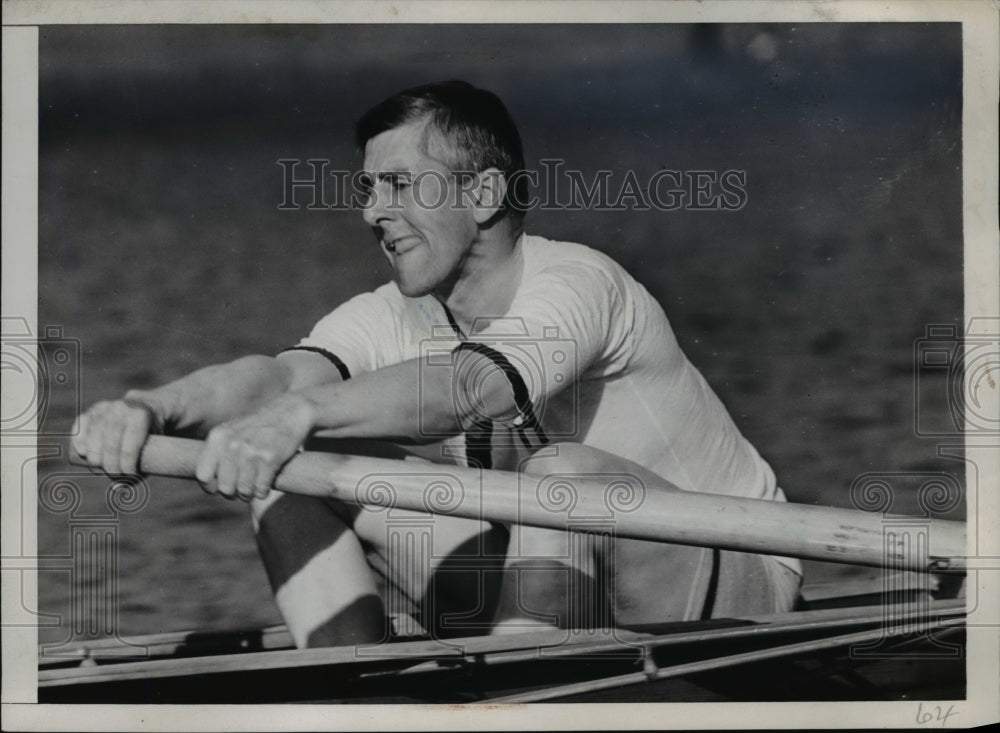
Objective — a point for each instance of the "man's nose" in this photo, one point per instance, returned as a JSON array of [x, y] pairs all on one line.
[[376, 208]]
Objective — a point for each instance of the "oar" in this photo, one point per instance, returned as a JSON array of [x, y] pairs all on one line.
[[619, 505]]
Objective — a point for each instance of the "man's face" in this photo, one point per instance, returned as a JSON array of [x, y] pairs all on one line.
[[424, 227]]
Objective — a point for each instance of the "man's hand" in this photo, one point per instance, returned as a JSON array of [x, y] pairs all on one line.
[[110, 434], [241, 457]]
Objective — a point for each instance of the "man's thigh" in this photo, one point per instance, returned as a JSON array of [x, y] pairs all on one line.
[[635, 583]]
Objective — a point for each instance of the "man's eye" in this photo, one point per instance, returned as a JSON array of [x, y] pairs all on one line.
[[398, 183]]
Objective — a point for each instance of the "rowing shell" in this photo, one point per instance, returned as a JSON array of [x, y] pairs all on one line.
[[911, 650]]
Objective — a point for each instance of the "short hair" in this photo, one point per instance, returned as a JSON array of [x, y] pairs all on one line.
[[473, 125]]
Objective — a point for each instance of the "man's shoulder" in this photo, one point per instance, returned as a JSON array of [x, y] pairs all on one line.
[[547, 256], [370, 306], [555, 250], [389, 293], [387, 307]]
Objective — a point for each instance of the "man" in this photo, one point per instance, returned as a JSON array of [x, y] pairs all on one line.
[[558, 362]]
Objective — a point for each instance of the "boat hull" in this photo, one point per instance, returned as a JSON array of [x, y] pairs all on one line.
[[866, 653]]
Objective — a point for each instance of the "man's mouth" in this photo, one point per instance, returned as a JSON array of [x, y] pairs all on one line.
[[399, 245]]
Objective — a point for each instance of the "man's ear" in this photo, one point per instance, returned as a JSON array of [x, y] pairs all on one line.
[[489, 194]]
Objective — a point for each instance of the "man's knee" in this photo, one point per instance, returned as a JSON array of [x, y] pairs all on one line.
[[565, 458], [576, 459]]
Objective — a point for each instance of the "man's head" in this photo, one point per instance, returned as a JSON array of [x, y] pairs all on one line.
[[468, 129], [437, 162]]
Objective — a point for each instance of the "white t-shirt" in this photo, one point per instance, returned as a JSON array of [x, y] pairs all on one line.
[[598, 360]]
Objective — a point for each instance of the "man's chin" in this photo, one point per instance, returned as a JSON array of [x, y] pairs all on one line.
[[411, 289]]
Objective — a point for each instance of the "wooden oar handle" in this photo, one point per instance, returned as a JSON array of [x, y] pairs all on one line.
[[306, 474], [621, 505]]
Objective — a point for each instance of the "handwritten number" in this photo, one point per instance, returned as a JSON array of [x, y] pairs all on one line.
[[923, 717], [937, 716]]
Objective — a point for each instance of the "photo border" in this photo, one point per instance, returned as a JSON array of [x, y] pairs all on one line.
[[20, 232]]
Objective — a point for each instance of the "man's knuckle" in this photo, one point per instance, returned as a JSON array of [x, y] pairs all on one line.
[[219, 433], [137, 416]]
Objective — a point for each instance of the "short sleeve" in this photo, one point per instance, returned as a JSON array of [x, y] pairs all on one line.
[[567, 324], [358, 334]]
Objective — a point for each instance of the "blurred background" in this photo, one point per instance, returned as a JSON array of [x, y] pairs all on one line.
[[162, 247]]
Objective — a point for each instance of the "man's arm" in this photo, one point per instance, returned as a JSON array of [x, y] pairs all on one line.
[[110, 434], [408, 402], [402, 402]]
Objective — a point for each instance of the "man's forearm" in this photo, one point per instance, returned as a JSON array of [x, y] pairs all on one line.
[[390, 403], [401, 403], [212, 395], [406, 402]]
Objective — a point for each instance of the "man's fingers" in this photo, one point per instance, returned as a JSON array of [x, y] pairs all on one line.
[[94, 439], [242, 458], [227, 472], [136, 431], [258, 468], [218, 465], [79, 433], [247, 466], [205, 469], [110, 435], [111, 443], [267, 469]]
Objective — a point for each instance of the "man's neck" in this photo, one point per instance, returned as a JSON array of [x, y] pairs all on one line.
[[490, 276]]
